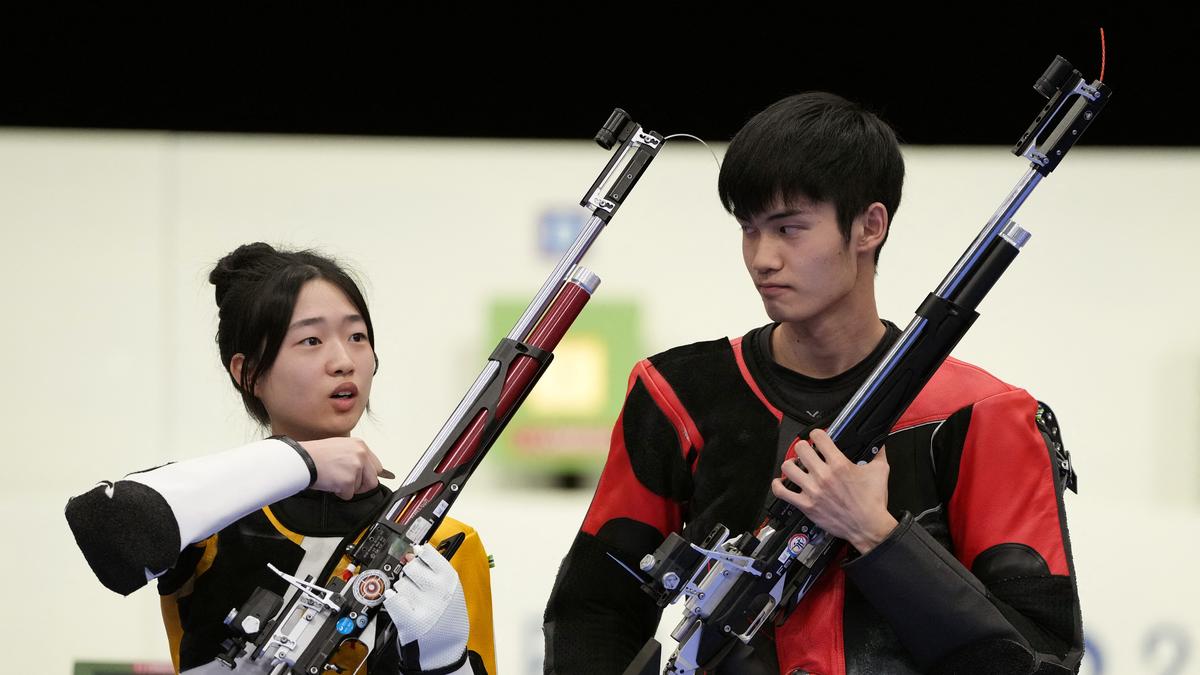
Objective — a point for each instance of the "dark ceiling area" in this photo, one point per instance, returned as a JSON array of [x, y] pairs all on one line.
[[954, 81]]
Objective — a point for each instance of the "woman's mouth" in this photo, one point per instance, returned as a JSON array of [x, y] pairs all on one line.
[[344, 397]]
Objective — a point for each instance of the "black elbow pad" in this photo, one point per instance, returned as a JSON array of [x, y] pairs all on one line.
[[999, 656], [1009, 561], [123, 530]]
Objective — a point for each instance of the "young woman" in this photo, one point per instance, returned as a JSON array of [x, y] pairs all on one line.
[[296, 337]]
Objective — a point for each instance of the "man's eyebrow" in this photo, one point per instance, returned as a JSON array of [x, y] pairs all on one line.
[[787, 213]]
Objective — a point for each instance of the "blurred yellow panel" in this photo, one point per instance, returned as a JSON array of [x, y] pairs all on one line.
[[576, 382]]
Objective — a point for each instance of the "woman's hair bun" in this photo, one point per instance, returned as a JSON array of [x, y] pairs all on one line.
[[245, 263]]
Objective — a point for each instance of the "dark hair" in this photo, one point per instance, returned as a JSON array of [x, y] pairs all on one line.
[[815, 145], [256, 290]]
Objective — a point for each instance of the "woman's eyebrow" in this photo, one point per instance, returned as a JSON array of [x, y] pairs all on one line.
[[349, 318], [307, 322]]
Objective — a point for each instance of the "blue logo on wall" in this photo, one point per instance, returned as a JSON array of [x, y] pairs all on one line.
[[558, 228]]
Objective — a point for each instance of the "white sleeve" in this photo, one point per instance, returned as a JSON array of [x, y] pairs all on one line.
[[208, 493]]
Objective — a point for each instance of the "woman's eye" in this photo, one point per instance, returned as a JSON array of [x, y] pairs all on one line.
[[358, 337], [311, 341]]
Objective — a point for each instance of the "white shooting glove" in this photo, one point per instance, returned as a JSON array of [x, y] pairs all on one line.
[[430, 614]]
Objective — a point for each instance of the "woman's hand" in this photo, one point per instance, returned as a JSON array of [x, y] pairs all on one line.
[[429, 611], [345, 466]]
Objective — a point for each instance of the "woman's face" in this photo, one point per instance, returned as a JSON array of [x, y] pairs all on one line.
[[320, 383]]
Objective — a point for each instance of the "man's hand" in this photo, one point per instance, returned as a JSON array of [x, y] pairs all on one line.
[[846, 500]]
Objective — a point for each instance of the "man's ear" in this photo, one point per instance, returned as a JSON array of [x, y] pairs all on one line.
[[875, 223]]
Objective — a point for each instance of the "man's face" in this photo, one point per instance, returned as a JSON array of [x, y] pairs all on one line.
[[798, 259]]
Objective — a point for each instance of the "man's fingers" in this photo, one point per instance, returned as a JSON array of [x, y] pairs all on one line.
[[820, 438], [826, 448], [807, 456], [793, 471], [780, 491], [796, 473]]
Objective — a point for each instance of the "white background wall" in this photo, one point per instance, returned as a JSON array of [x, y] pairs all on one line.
[[108, 326]]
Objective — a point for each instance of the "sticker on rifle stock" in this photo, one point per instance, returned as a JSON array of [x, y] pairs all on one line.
[[796, 544], [417, 531]]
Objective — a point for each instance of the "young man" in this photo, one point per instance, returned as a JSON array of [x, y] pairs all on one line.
[[957, 557]]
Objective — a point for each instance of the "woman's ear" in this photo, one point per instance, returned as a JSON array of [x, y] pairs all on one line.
[[235, 369]]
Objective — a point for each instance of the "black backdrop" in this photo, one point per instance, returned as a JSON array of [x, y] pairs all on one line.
[[957, 76]]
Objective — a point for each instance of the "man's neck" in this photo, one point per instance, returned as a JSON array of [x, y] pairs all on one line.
[[826, 348]]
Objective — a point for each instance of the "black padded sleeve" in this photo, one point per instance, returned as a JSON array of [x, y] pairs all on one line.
[[123, 530]]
